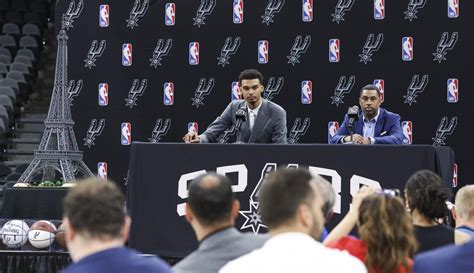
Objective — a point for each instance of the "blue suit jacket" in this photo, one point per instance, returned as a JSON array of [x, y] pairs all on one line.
[[459, 259], [387, 128]]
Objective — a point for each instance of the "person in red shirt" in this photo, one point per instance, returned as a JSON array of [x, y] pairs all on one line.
[[387, 243]]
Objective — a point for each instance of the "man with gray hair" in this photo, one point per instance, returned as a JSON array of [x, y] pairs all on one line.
[[463, 213], [329, 199]]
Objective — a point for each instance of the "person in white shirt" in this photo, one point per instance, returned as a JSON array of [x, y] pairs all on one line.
[[291, 205]]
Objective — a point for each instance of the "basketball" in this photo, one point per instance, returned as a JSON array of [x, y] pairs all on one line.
[[14, 233], [42, 234], [61, 236]]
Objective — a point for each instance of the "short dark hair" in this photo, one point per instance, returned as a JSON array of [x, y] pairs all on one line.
[[282, 193], [370, 87], [95, 208], [250, 74], [211, 203], [426, 193]]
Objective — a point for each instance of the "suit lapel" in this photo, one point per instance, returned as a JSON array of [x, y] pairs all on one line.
[[260, 121]]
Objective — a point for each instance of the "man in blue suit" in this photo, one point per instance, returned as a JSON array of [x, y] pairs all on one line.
[[451, 258], [375, 125]]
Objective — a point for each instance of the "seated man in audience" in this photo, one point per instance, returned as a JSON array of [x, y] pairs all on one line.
[[97, 228], [211, 210], [329, 197], [458, 259], [291, 206], [463, 213]]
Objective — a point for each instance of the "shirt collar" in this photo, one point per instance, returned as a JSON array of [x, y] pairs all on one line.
[[255, 111], [374, 119]]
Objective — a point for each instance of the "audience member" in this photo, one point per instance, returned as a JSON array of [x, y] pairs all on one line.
[[463, 213], [329, 197], [451, 258]]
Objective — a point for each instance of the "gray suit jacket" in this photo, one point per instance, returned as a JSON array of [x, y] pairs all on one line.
[[269, 127], [218, 249]]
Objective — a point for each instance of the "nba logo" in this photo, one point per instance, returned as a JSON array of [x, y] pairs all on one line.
[[126, 133], [103, 94], [453, 90], [104, 15], [262, 52], [170, 14], [455, 175], [334, 50], [453, 8], [307, 10], [407, 128], [102, 170], [194, 53], [333, 126], [168, 91], [379, 9], [306, 92], [193, 127], [127, 54], [381, 86], [407, 48], [235, 93], [238, 13]]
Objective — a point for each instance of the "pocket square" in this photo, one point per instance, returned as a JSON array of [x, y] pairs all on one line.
[[383, 133]]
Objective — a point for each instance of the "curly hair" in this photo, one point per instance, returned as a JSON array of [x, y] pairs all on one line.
[[386, 228], [426, 193]]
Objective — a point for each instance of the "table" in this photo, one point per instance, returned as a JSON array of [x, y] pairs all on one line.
[[160, 173]]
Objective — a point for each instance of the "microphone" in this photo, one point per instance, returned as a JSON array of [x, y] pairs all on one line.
[[240, 116], [353, 115]]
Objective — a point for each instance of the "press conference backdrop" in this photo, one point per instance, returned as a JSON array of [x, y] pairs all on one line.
[[149, 70]]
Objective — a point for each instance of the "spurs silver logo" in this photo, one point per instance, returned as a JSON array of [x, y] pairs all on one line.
[[136, 13], [135, 92], [94, 131], [343, 87], [340, 10], [273, 7], [444, 130], [73, 90], [298, 48], [71, 14], [203, 89], [161, 128], [273, 88], [95, 51], [415, 88], [205, 8], [224, 137], [252, 216], [230, 48], [370, 47], [413, 8], [161, 50], [444, 45], [298, 130]]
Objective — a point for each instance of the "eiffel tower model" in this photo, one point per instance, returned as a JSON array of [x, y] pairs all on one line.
[[58, 151]]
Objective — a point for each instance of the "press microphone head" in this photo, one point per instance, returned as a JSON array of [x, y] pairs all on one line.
[[241, 114], [354, 110]]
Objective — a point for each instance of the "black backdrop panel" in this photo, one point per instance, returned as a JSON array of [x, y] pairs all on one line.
[[429, 111]]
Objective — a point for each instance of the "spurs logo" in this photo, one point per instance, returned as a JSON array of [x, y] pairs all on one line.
[[71, 14], [136, 13], [298, 48], [94, 131], [444, 45], [444, 130], [161, 50], [252, 216], [298, 130], [370, 47], [340, 10], [161, 128], [73, 90], [230, 48], [343, 87], [415, 88], [205, 8], [273, 7], [202, 91], [95, 51], [224, 137], [273, 88], [413, 8], [135, 92]]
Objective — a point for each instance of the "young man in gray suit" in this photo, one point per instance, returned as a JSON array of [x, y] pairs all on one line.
[[211, 210], [265, 121]]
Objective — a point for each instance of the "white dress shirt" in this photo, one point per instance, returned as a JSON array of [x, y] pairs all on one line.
[[369, 127], [295, 252], [253, 115]]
